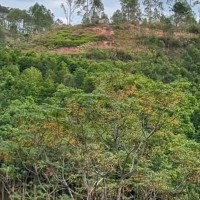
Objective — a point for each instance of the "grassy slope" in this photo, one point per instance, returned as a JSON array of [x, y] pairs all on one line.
[[129, 38]]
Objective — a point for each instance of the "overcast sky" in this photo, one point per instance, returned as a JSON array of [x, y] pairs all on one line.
[[54, 5]]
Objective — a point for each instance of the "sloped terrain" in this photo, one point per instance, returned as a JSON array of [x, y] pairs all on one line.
[[101, 112], [78, 39]]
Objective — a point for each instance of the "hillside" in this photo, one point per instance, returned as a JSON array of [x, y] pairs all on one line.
[[127, 37], [105, 110], [102, 111]]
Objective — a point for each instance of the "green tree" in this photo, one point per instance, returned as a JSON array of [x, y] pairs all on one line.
[[131, 10], [153, 10], [182, 13], [18, 19], [92, 10], [104, 18], [31, 82], [42, 18], [118, 17]]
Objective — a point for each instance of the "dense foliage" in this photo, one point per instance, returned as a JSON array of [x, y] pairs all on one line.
[[73, 128], [104, 122]]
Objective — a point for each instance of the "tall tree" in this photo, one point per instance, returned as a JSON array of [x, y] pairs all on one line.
[[42, 18], [69, 9], [3, 13], [131, 10], [182, 13], [153, 9], [92, 9], [18, 19]]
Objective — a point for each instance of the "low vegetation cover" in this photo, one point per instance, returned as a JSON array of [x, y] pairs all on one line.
[[119, 119], [66, 37]]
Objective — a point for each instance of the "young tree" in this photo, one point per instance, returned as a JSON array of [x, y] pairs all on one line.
[[118, 17], [104, 18], [167, 25]]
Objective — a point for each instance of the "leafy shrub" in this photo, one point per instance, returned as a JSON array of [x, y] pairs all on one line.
[[98, 54], [172, 42], [114, 54], [153, 41], [194, 28], [123, 55]]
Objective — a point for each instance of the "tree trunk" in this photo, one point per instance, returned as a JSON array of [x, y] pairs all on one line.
[[119, 195]]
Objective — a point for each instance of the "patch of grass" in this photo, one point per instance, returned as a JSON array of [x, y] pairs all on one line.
[[67, 38]]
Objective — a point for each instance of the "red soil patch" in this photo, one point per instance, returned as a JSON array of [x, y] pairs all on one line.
[[105, 31], [101, 31]]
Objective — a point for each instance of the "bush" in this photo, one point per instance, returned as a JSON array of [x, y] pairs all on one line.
[[194, 28], [122, 55], [153, 41], [174, 43], [98, 54], [114, 54]]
